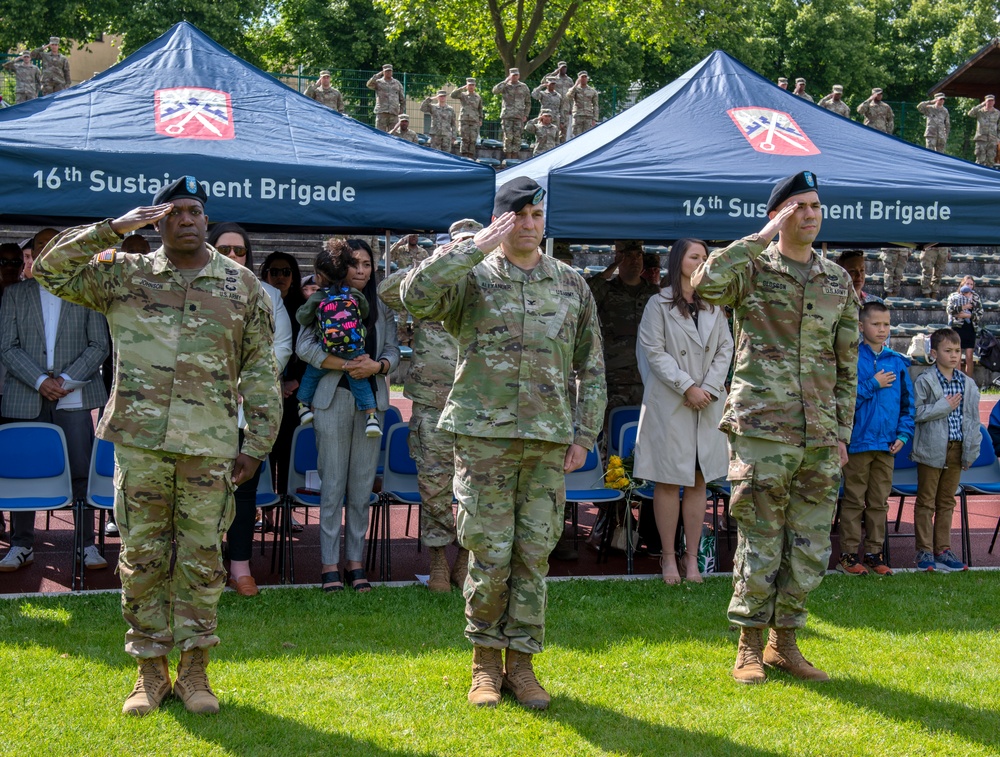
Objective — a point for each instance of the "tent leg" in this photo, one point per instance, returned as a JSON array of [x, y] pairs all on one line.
[[550, 246]]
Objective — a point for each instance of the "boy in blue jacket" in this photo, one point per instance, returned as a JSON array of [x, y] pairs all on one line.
[[883, 423]]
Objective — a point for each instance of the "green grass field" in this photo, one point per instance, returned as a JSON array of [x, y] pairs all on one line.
[[634, 668]]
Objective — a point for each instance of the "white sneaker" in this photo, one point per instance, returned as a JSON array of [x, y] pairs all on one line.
[[16, 558], [372, 428], [305, 415], [92, 558], [111, 528]]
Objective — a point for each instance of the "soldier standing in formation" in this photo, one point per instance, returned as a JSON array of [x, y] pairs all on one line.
[[55, 67], [782, 82], [27, 77], [406, 253], [389, 98], [192, 332], [432, 370], [800, 90], [894, 264], [938, 123], [549, 99], [516, 104], [835, 102], [325, 94], [584, 102], [987, 117], [402, 129], [442, 115], [562, 85], [876, 113], [470, 117], [545, 131], [789, 417], [933, 260], [528, 321]]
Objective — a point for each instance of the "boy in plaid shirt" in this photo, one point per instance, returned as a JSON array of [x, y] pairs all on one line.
[[945, 443]]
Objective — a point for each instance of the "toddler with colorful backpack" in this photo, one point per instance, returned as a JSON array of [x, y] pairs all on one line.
[[338, 312]]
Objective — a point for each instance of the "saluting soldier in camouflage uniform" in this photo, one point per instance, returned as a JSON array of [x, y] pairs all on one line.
[[548, 98], [442, 121], [403, 131], [876, 113], [192, 332], [563, 82], [800, 90], [782, 82], [470, 117], [938, 123], [55, 67], [788, 415], [406, 253], [27, 77], [894, 263], [933, 260], [516, 104], [325, 94], [546, 133], [987, 133], [389, 98], [432, 370], [584, 101], [527, 328], [834, 102]]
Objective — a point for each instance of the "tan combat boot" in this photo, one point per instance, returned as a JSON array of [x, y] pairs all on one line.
[[461, 568], [749, 666], [439, 579], [782, 652], [519, 678], [191, 686], [487, 673], [151, 688]]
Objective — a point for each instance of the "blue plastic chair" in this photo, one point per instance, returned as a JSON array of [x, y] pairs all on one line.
[[586, 484], [981, 480], [392, 417], [100, 496], [617, 418], [399, 479]]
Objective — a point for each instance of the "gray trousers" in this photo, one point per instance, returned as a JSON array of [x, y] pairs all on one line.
[[78, 427], [347, 463]]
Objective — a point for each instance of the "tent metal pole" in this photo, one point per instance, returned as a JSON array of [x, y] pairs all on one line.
[[385, 262], [550, 246]]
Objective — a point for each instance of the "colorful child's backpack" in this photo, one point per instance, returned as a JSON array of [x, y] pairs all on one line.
[[340, 324]]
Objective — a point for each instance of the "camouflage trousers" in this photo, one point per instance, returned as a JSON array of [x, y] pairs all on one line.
[[434, 451], [894, 261], [986, 152], [469, 133], [171, 511], [442, 141], [582, 124], [385, 121], [23, 97], [936, 142], [513, 128], [932, 263], [783, 500], [511, 500], [565, 117]]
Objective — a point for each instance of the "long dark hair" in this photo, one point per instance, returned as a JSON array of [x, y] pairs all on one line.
[[294, 298], [371, 288], [232, 228], [677, 253]]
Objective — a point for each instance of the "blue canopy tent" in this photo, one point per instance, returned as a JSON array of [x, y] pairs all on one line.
[[266, 155], [699, 158]]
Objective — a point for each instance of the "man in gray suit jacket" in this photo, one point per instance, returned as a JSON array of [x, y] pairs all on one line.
[[53, 352]]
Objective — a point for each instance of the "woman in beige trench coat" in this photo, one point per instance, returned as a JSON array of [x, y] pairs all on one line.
[[687, 346]]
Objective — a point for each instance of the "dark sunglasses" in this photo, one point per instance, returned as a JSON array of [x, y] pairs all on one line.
[[232, 249], [280, 271]]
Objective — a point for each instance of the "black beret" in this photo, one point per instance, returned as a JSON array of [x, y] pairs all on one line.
[[186, 186], [515, 194], [800, 183]]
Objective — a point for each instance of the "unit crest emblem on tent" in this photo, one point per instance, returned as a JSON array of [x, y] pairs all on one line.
[[772, 131], [194, 113]]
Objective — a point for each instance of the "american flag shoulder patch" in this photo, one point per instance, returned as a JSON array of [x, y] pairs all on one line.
[[107, 257]]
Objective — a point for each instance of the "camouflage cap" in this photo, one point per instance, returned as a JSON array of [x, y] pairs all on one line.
[[387, 67], [582, 73], [515, 194], [838, 88], [989, 97], [800, 80], [782, 80], [544, 112], [186, 186], [512, 71], [54, 40], [470, 79], [939, 96], [324, 72], [403, 117], [876, 90], [562, 64], [628, 245], [800, 183], [441, 93], [463, 229]]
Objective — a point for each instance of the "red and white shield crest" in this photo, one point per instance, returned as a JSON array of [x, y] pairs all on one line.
[[194, 113], [772, 131]]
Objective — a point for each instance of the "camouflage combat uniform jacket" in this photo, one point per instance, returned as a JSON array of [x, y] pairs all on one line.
[[525, 337], [796, 369], [328, 96], [471, 111], [55, 70], [878, 115], [27, 79], [835, 106], [184, 352], [938, 119], [389, 97], [516, 99]]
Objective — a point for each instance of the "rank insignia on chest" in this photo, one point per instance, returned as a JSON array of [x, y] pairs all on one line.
[[107, 257]]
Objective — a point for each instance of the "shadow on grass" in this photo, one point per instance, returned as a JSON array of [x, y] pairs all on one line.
[[974, 724], [615, 732], [239, 729]]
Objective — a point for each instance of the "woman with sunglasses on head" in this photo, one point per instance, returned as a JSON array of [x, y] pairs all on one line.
[[347, 456], [232, 241]]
